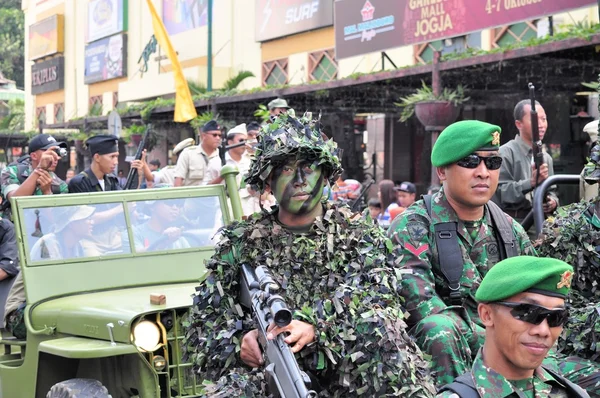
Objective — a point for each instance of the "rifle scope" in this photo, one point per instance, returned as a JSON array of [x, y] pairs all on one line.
[[281, 314]]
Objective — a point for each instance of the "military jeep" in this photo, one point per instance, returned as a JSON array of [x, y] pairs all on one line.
[[108, 282]]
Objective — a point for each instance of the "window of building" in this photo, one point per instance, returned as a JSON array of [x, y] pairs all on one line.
[[507, 35], [59, 112], [322, 65], [95, 105], [275, 73], [424, 52], [40, 114]]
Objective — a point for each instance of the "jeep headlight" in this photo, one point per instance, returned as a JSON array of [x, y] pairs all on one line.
[[146, 336]]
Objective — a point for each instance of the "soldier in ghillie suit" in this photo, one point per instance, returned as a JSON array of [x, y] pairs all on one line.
[[448, 248], [573, 235], [336, 272]]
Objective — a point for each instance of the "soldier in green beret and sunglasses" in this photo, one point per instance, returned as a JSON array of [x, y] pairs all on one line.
[[522, 307], [447, 242]]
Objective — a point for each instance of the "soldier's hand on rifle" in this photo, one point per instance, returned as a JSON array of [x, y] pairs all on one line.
[[49, 158], [549, 205], [543, 174], [300, 334], [139, 164], [44, 181], [250, 351]]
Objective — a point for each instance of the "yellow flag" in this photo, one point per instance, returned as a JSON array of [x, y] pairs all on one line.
[[184, 106]]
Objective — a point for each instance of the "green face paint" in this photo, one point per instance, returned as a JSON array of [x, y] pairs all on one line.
[[298, 186]]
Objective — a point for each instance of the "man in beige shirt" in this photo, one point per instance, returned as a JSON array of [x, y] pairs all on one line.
[[193, 162]]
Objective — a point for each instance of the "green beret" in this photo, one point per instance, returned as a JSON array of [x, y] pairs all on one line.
[[462, 138], [547, 276]]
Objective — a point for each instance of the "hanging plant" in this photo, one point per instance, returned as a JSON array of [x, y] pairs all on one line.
[[455, 97]]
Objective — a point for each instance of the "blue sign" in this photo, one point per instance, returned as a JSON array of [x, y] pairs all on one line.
[[106, 59]]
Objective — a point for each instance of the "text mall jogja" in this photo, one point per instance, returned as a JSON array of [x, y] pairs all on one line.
[[45, 75], [433, 17]]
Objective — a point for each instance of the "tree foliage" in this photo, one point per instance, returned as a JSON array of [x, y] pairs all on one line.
[[12, 41]]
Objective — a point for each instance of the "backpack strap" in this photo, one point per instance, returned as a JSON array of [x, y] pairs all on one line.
[[451, 262], [573, 389], [463, 386], [507, 241]]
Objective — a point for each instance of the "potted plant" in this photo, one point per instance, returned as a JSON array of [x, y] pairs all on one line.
[[435, 112]]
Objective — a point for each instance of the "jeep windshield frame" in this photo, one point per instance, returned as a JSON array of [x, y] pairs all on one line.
[[47, 278]]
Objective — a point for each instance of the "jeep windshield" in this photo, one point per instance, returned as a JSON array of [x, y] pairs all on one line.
[[93, 230], [111, 240]]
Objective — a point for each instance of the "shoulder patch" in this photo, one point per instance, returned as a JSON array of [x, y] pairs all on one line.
[[416, 231]]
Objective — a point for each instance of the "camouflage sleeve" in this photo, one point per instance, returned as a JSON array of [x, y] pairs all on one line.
[[9, 180], [217, 321], [525, 246], [413, 246], [362, 340]]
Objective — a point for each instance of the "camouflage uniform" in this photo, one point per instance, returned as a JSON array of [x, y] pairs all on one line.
[[491, 384], [338, 276], [453, 334]]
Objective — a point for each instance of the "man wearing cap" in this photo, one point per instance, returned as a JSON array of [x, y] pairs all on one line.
[[166, 175], [336, 274], [521, 304], [589, 191], [406, 193], [448, 248], [234, 156], [35, 176], [193, 162], [445, 321], [518, 176], [278, 106]]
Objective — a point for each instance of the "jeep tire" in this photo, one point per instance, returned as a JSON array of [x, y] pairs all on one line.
[[78, 388]]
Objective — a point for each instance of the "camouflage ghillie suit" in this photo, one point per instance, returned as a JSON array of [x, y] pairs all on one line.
[[489, 383], [336, 274], [339, 277], [573, 235], [452, 335]]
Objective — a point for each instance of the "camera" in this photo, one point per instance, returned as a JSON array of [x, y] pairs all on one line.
[[62, 152]]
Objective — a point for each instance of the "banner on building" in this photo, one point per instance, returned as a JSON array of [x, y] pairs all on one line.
[[106, 18], [48, 75], [46, 37], [179, 16], [106, 59], [278, 18], [363, 26]]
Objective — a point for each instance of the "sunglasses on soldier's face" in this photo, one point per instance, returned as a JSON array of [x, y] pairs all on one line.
[[536, 314], [472, 161]]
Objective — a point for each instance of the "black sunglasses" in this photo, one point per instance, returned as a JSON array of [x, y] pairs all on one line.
[[536, 314], [472, 161]]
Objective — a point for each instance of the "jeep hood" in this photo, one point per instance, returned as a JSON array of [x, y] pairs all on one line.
[[88, 314]]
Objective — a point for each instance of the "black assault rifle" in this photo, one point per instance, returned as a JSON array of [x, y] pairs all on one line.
[[133, 180], [259, 292], [536, 143]]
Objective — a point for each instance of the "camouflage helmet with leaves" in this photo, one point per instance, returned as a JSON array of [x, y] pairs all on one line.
[[287, 137]]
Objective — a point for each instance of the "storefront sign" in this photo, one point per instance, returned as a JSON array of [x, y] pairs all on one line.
[[106, 59], [106, 17], [363, 26], [46, 37], [48, 76], [277, 18]]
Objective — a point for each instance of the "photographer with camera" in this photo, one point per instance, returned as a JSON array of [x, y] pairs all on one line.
[[34, 175]]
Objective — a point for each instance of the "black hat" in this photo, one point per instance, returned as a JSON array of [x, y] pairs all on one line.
[[44, 141], [407, 187], [103, 144], [211, 126], [252, 126]]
